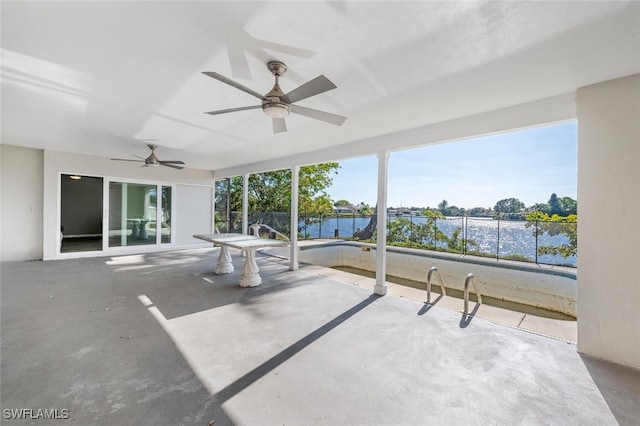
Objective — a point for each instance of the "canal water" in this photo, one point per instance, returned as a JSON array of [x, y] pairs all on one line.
[[488, 237]]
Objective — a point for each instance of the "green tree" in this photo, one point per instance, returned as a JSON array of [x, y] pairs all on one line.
[[228, 198], [555, 225], [569, 206], [365, 209], [314, 181], [342, 203], [398, 231], [540, 207], [432, 214], [271, 191], [478, 211], [455, 211], [443, 206], [554, 205], [403, 231], [509, 206], [432, 233], [456, 243], [428, 233]]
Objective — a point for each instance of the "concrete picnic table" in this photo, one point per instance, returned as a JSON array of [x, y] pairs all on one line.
[[249, 243]]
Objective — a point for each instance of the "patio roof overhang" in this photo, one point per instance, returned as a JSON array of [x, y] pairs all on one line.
[[542, 112], [97, 78]]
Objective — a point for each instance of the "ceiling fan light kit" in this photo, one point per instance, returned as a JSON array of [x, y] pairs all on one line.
[[277, 105], [275, 109]]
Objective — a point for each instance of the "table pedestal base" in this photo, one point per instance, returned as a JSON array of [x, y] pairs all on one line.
[[224, 265], [250, 273]]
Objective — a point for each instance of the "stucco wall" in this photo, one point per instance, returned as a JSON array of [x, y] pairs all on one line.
[[194, 212], [30, 199], [21, 202], [609, 220]]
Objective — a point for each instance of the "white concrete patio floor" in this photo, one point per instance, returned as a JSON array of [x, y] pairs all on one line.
[[159, 339]]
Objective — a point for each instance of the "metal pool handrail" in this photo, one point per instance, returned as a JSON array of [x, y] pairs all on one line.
[[470, 278], [431, 271], [257, 227]]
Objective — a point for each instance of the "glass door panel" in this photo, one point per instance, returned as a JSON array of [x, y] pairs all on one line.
[[165, 220], [132, 214]]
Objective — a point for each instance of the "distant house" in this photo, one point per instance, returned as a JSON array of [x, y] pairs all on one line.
[[359, 207], [343, 209], [402, 212]]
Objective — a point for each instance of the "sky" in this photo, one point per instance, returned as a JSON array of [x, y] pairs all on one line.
[[528, 165]]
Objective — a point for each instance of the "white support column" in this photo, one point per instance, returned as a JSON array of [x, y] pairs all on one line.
[[245, 204], [609, 179], [293, 258], [381, 242]]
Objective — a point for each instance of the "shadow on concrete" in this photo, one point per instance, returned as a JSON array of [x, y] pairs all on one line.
[[189, 274], [428, 305], [75, 337], [465, 320], [254, 375], [613, 380]]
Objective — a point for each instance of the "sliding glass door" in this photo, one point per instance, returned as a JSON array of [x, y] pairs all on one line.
[[137, 216]]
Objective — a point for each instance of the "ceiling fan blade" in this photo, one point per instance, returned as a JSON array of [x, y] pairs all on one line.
[[122, 159], [137, 156], [319, 115], [224, 111], [279, 125], [232, 83], [165, 163], [171, 162], [313, 87]]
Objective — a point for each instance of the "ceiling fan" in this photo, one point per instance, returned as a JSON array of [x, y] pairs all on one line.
[[277, 105], [152, 160]]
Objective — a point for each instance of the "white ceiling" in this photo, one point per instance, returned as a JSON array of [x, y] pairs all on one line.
[[99, 77]]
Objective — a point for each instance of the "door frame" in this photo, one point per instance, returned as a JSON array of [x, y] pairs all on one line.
[[106, 250]]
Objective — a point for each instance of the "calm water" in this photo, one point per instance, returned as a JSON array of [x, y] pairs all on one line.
[[497, 238]]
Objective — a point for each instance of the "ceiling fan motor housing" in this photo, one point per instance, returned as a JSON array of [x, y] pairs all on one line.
[[151, 160], [273, 104], [277, 68]]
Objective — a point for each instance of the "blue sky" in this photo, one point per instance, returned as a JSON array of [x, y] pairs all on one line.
[[528, 164]]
